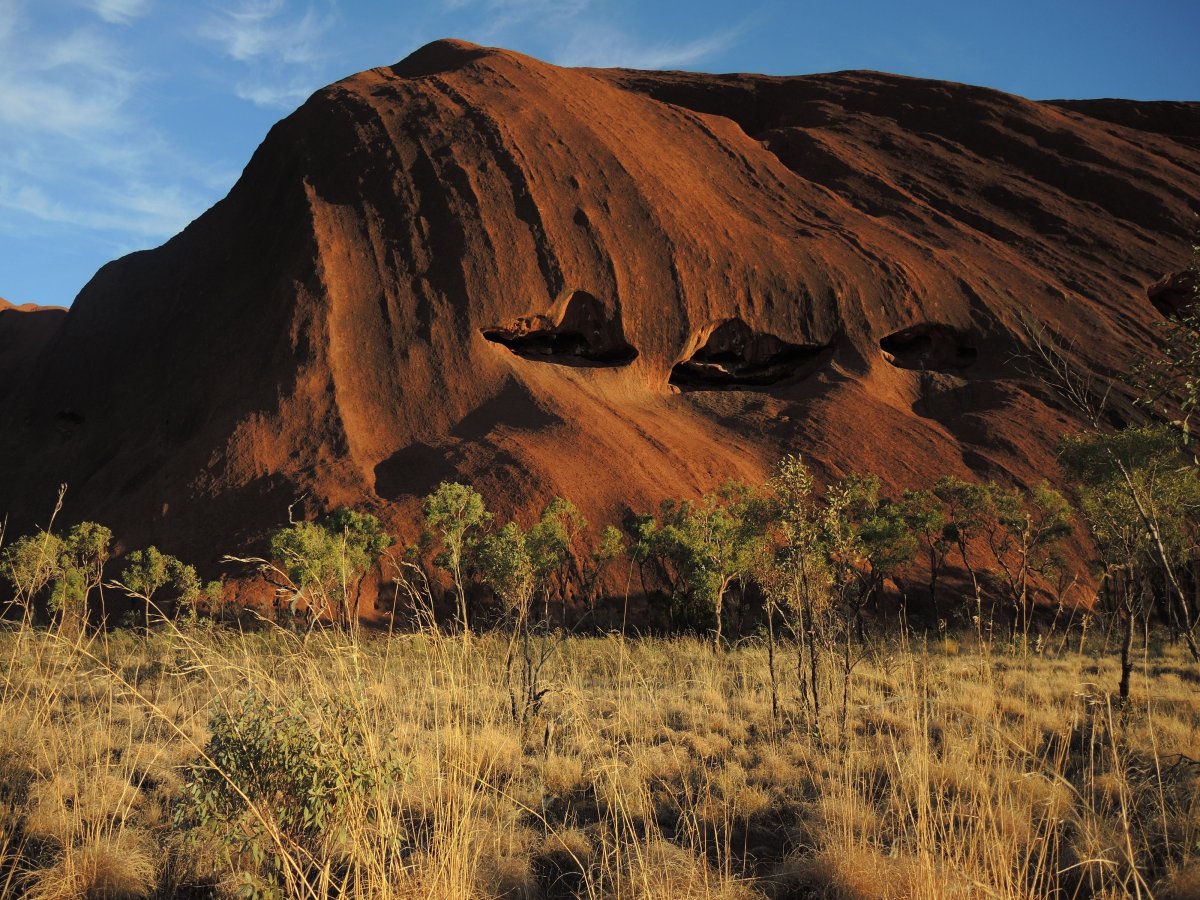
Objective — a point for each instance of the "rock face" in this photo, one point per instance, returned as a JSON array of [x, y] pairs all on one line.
[[24, 331], [610, 285]]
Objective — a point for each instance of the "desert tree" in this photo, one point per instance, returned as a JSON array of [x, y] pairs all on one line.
[[699, 549], [507, 565], [83, 554], [660, 548], [609, 547], [925, 514], [1023, 532], [794, 575], [568, 562], [1167, 491], [725, 531], [966, 509], [325, 564], [867, 538], [1168, 381], [556, 548], [149, 576], [455, 517], [64, 569], [716, 540], [30, 564]]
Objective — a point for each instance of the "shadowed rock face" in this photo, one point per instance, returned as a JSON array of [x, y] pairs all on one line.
[[586, 335], [734, 356], [24, 331], [929, 347], [1174, 293], [475, 265]]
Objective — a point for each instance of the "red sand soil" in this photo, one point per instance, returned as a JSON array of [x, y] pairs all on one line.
[[611, 285]]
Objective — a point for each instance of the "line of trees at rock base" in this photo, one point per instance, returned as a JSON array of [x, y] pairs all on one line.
[[808, 566]]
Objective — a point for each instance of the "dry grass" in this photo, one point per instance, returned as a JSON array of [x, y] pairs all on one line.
[[654, 769]]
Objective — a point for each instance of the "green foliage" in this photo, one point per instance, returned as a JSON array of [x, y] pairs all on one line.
[[867, 538], [309, 554], [85, 551], [30, 563], [1127, 478], [361, 537], [507, 567], [214, 597], [284, 777], [557, 552], [326, 561], [452, 512], [797, 575], [553, 538], [72, 567], [610, 547], [966, 507], [1039, 520], [701, 548], [927, 519], [455, 515], [150, 574], [1140, 499], [1023, 532]]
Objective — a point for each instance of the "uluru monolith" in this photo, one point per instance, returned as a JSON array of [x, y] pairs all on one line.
[[606, 284], [25, 329]]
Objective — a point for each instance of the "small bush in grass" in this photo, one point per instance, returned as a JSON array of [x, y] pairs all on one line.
[[282, 788]]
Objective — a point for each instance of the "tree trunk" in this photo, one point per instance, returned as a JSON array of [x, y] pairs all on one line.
[[462, 600], [771, 662], [812, 665], [933, 580], [1126, 650], [720, 604]]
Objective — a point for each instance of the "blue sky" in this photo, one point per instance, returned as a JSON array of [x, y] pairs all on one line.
[[122, 120]]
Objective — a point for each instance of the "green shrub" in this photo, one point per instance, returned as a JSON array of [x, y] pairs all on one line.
[[326, 562], [281, 787]]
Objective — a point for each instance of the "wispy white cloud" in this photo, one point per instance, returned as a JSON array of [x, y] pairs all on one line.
[[583, 33], [273, 95], [277, 46], [147, 212], [268, 30], [8, 18], [120, 12], [500, 19], [72, 84], [612, 48], [73, 149]]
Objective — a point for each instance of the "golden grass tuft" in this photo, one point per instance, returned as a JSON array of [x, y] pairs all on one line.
[[118, 866]]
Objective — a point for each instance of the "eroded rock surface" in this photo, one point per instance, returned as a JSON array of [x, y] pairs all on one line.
[[585, 335], [929, 347], [732, 355], [320, 332]]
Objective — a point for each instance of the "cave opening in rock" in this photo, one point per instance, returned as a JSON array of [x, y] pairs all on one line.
[[586, 335], [736, 356], [929, 347]]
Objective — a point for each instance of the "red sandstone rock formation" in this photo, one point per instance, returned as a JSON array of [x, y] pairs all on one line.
[[24, 331], [609, 285]]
